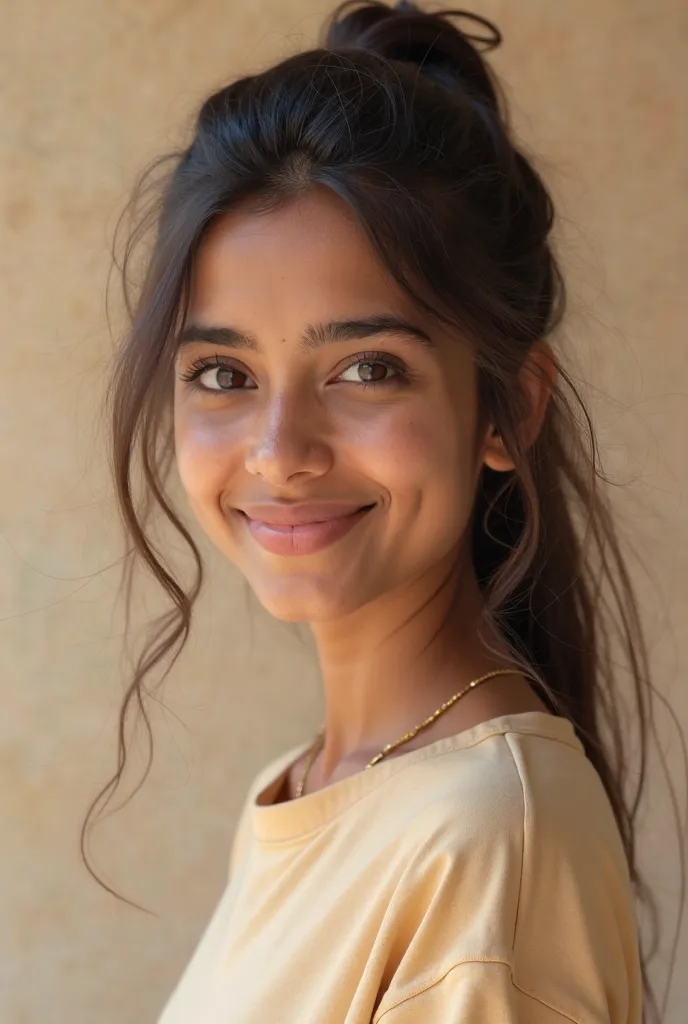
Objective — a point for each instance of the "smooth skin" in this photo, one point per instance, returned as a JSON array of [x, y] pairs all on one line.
[[284, 421]]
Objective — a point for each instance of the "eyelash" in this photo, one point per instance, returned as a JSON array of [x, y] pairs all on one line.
[[199, 366]]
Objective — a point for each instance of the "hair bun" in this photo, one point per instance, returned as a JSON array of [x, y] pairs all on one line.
[[442, 51]]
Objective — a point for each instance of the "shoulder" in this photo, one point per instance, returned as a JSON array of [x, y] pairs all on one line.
[[505, 781], [518, 860], [521, 818], [475, 816], [575, 934]]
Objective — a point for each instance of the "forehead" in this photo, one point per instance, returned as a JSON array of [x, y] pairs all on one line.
[[309, 252]]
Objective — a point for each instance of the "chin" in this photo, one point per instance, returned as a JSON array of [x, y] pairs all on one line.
[[292, 600], [292, 593]]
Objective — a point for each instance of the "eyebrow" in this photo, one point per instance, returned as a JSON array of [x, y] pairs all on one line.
[[316, 335]]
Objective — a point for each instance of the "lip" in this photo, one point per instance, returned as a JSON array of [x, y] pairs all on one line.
[[279, 534], [298, 514]]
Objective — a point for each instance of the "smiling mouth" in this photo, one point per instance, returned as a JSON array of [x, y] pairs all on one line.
[[280, 522], [305, 538]]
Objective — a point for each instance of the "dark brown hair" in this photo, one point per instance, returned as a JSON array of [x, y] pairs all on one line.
[[399, 114]]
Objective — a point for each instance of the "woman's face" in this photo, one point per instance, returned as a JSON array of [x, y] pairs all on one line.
[[285, 411]]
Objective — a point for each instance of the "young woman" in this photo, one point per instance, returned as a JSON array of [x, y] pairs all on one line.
[[345, 329]]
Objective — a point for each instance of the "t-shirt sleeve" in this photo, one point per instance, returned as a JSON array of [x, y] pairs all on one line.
[[519, 907], [476, 993]]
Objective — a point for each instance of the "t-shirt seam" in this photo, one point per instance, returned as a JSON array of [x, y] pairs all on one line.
[[436, 753], [525, 837], [484, 960], [523, 844]]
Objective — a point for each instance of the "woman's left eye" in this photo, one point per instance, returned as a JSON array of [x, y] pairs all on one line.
[[376, 370]]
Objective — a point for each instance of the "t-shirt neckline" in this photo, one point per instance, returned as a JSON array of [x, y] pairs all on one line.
[[289, 820]]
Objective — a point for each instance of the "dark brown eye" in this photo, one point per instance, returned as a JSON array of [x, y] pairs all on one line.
[[374, 371], [222, 378], [213, 375], [225, 378], [371, 370]]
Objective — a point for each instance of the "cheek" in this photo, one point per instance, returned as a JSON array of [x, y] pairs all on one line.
[[423, 460], [207, 454], [426, 464]]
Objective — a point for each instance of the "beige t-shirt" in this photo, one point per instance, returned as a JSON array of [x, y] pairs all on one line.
[[480, 879]]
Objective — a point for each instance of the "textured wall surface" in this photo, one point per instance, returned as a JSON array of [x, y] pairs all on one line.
[[91, 89]]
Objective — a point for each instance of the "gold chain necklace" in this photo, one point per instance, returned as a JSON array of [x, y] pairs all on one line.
[[409, 735]]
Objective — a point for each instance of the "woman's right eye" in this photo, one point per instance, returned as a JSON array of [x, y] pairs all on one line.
[[214, 375]]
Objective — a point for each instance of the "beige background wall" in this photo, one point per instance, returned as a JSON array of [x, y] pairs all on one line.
[[91, 89]]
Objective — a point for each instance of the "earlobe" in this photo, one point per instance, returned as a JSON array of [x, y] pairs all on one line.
[[538, 377], [495, 455]]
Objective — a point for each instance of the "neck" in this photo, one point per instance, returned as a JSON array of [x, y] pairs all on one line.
[[389, 665]]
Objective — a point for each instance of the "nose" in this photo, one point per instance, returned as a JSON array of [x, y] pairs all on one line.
[[285, 439]]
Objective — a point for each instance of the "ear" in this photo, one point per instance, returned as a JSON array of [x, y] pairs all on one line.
[[538, 376]]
